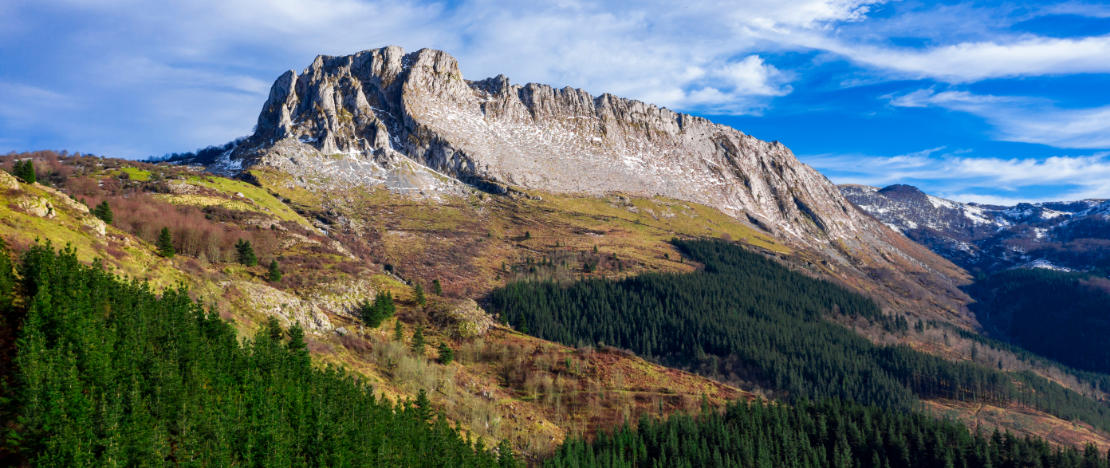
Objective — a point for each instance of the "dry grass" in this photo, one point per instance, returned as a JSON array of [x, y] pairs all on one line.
[[1019, 420]]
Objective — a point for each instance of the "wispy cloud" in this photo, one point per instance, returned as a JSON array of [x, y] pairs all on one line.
[[973, 61], [1022, 119], [984, 180]]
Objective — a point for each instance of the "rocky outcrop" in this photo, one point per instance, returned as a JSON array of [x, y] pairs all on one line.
[[412, 123], [8, 181]]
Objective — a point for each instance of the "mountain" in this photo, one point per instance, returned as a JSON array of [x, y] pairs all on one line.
[[985, 239], [409, 122], [386, 175]]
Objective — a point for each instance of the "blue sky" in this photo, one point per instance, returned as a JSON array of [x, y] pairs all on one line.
[[978, 101]]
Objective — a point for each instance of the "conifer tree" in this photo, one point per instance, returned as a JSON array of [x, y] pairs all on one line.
[[25, 171], [165, 243], [374, 313], [245, 253], [446, 354], [418, 292], [418, 341], [274, 274], [104, 212], [437, 288], [7, 282], [398, 331]]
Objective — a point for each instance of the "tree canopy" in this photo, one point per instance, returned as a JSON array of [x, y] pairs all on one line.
[[109, 373]]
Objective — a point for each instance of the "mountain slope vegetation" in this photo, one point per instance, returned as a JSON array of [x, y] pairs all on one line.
[[827, 434], [342, 247], [107, 372], [1064, 316], [748, 319]]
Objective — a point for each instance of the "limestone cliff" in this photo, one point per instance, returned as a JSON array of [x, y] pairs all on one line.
[[411, 122]]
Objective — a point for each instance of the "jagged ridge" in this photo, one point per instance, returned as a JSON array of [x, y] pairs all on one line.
[[384, 117]]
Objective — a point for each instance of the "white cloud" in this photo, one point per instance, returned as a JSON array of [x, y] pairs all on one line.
[[752, 76], [983, 180], [697, 56], [708, 56], [973, 61], [1022, 119]]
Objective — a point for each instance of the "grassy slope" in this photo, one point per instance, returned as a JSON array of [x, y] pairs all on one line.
[[503, 385]]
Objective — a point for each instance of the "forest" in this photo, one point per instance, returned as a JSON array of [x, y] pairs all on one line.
[[106, 372], [1062, 315], [749, 320], [826, 434]]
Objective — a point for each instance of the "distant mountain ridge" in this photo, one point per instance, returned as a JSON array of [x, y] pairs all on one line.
[[1067, 235]]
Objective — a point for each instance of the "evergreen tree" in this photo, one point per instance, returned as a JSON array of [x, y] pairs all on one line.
[[374, 313], [418, 341], [104, 212], [25, 171], [418, 293], [505, 458], [437, 288], [274, 273], [245, 253], [165, 243], [446, 354], [398, 331], [7, 283]]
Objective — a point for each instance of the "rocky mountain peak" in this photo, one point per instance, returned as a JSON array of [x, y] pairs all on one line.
[[410, 122], [373, 113]]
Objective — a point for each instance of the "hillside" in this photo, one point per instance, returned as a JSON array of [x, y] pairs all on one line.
[[503, 384]]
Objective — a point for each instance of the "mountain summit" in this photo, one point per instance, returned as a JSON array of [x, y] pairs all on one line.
[[383, 107], [411, 122]]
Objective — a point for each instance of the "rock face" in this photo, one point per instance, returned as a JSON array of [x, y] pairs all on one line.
[[410, 122], [987, 238], [374, 113]]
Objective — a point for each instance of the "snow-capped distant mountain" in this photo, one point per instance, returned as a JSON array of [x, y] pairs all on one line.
[[986, 238]]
